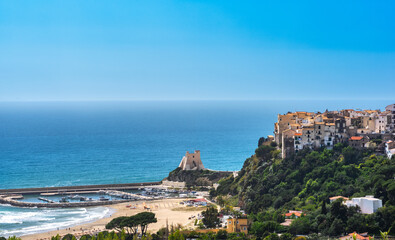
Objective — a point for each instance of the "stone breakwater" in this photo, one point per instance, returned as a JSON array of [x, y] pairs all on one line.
[[9, 196], [76, 189], [11, 200]]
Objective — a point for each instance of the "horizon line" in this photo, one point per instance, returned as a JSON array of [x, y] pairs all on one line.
[[192, 100]]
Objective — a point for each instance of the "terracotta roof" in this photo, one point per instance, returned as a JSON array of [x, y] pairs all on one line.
[[337, 197], [350, 236], [356, 138], [298, 214], [199, 200]]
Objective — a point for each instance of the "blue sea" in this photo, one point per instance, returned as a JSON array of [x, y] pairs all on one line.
[[45, 144]]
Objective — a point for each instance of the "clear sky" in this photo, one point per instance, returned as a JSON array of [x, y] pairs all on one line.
[[188, 50]]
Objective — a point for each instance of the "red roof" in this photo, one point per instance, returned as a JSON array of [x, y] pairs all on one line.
[[199, 200], [358, 236], [337, 197], [355, 138], [298, 214]]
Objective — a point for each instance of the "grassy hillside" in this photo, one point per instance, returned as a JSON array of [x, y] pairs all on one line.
[[268, 186]]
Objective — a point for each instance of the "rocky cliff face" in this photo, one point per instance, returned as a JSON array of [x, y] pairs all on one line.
[[196, 178]]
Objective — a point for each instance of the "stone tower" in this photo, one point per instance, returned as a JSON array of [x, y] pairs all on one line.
[[191, 161]]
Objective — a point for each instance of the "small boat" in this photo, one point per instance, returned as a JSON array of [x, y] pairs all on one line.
[[82, 199], [104, 199], [63, 200]]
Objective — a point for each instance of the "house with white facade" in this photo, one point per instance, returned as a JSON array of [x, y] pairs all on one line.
[[391, 123], [390, 149], [368, 204]]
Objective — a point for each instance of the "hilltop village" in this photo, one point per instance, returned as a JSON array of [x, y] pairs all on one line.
[[360, 128]]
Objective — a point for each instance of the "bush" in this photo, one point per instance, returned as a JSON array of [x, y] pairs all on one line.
[[68, 236]]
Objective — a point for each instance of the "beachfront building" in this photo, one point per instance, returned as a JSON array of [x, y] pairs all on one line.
[[191, 161], [237, 225], [368, 204]]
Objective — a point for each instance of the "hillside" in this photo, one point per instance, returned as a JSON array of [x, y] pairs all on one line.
[[268, 186], [196, 178]]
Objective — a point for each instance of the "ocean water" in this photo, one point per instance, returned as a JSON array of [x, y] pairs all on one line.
[[45, 144], [22, 221]]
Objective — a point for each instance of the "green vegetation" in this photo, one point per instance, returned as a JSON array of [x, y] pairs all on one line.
[[268, 186], [131, 224], [200, 178], [210, 217], [214, 236]]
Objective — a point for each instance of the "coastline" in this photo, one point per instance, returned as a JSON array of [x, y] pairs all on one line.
[[163, 210]]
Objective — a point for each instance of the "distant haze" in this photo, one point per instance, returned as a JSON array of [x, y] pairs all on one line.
[[196, 50]]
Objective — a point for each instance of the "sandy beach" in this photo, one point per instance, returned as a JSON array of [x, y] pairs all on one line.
[[165, 210]]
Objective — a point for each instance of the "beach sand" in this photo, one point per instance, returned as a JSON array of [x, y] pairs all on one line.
[[165, 209]]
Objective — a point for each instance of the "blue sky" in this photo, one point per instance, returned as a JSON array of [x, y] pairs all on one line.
[[191, 50]]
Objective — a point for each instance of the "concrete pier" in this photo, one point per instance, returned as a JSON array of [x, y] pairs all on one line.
[[79, 189], [10, 200], [9, 196]]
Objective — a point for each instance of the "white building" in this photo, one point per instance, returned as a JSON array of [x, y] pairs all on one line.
[[391, 124], [381, 122], [390, 149], [368, 204]]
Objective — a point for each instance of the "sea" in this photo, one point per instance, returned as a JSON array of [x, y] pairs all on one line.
[[45, 144]]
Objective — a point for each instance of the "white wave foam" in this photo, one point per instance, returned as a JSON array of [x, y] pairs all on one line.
[[36, 221]]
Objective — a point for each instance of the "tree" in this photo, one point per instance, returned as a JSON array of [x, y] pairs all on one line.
[[86, 237], [286, 236], [144, 219], [264, 152], [260, 228], [261, 141], [68, 237], [323, 208], [222, 234], [210, 217], [131, 224], [300, 226], [221, 201], [116, 223], [339, 210], [57, 237], [337, 228], [272, 236], [176, 235]]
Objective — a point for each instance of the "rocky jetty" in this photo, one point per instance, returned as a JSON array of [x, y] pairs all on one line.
[[10, 199]]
